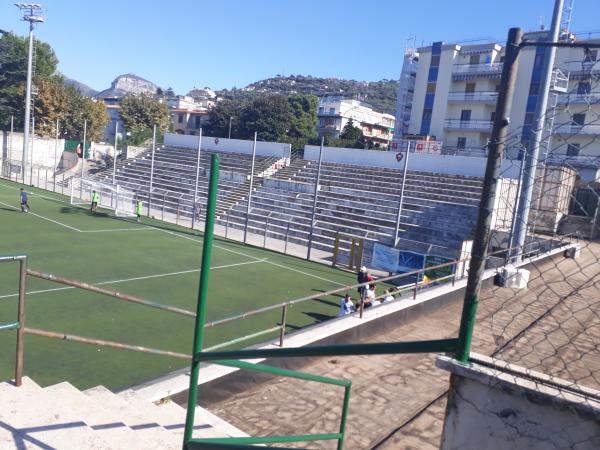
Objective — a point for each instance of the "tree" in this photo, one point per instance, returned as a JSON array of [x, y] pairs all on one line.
[[303, 126], [13, 74], [220, 113], [140, 112], [51, 104], [270, 116], [80, 109], [350, 132]]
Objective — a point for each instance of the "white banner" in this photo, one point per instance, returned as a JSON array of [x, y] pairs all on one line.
[[384, 258]]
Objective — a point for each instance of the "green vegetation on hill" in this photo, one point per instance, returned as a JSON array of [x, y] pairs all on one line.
[[381, 94]]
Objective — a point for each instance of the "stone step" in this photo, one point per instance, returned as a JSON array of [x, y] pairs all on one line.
[[101, 419], [41, 419], [135, 418]]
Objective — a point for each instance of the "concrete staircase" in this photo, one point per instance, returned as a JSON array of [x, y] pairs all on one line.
[[63, 417]]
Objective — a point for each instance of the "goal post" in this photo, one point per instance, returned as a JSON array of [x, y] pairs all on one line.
[[114, 197], [347, 251]]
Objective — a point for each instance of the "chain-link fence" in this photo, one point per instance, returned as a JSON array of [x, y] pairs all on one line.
[[541, 322]]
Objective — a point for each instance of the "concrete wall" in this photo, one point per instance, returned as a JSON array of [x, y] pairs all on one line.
[[229, 145], [452, 165], [492, 408], [46, 151]]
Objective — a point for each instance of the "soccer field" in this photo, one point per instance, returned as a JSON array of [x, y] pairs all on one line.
[[153, 260]]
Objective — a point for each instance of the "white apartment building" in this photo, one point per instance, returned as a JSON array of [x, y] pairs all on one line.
[[187, 114], [456, 90], [335, 111]]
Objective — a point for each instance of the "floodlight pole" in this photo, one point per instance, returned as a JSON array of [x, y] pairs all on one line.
[[10, 147], [83, 148], [250, 188], [314, 207], [151, 170], [194, 212], [31, 14], [401, 200], [230, 119], [531, 158], [55, 156], [115, 157], [31, 152]]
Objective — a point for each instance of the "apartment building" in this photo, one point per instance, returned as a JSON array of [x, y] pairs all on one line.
[[188, 115], [456, 90], [334, 113]]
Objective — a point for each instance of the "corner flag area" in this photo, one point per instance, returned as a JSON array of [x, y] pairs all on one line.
[[153, 260]]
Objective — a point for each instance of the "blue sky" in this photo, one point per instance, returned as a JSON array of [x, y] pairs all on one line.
[[228, 43]]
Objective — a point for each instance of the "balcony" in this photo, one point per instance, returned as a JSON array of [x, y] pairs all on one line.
[[328, 113], [469, 71], [473, 97], [474, 125], [581, 68], [576, 161], [592, 129], [590, 98]]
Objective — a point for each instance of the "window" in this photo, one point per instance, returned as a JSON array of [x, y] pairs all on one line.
[[180, 118], [320, 110], [461, 142], [321, 123], [579, 119], [534, 88], [591, 55], [492, 116], [331, 110], [470, 88], [573, 149], [430, 88], [474, 59], [197, 120], [539, 60], [465, 115], [528, 118], [584, 87], [497, 88], [427, 114], [435, 60]]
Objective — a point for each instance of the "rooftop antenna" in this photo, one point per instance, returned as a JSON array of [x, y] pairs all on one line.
[[542, 27], [32, 13]]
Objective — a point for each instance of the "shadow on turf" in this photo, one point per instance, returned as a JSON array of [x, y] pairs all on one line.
[[318, 316], [87, 212]]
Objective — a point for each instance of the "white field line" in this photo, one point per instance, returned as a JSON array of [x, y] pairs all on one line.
[[117, 229], [42, 217], [146, 277], [282, 266]]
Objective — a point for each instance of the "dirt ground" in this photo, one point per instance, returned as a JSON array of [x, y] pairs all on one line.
[[398, 401]]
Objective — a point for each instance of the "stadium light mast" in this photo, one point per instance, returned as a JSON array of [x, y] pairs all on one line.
[[32, 13]]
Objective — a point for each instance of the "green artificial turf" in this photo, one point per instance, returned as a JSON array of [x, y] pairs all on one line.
[[153, 260]]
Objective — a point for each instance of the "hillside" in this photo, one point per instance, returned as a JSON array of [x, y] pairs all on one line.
[[83, 88], [381, 94]]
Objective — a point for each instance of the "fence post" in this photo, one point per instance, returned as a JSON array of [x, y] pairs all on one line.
[[10, 149], [151, 171], [416, 287], [178, 206], [62, 187], [492, 172], [265, 236], [314, 207], [287, 234], [202, 297], [21, 320], [283, 321], [197, 178], [250, 188]]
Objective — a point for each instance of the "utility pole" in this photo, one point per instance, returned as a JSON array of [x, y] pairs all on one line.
[[492, 173], [250, 188], [532, 156], [230, 119], [151, 170], [32, 13]]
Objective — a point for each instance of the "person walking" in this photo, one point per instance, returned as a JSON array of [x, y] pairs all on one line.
[[95, 200], [138, 210], [24, 205]]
